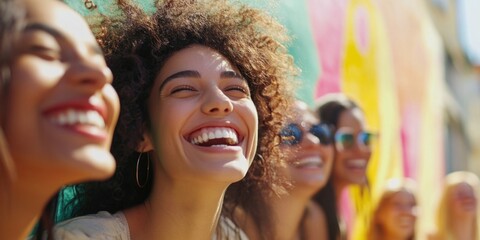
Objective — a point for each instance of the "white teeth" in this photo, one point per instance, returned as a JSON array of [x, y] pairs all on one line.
[[309, 161], [72, 117], [216, 133], [358, 163]]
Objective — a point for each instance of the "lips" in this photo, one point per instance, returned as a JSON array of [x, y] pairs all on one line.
[[309, 162], [80, 116], [357, 163], [214, 136], [72, 116]]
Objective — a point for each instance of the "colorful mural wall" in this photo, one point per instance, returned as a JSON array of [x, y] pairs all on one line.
[[387, 56]]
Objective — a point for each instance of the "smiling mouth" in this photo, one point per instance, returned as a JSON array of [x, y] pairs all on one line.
[[357, 163], [216, 136], [308, 162], [72, 117]]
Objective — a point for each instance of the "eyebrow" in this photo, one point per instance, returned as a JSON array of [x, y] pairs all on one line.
[[196, 74], [57, 34]]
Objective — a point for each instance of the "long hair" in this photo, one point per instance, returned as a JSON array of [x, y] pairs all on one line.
[[137, 45], [443, 218], [328, 109]]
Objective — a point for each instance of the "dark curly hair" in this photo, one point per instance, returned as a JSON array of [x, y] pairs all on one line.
[[329, 108], [137, 45]]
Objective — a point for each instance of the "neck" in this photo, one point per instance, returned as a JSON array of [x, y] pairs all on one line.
[[338, 187], [177, 210], [25, 202], [289, 211]]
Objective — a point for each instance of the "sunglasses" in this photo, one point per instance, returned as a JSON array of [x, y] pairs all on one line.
[[345, 139], [293, 134]]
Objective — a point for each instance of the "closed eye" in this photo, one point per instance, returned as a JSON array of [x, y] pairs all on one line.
[[182, 88], [238, 90], [45, 52]]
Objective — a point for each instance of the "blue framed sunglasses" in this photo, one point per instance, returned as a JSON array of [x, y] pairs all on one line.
[[293, 134], [345, 139]]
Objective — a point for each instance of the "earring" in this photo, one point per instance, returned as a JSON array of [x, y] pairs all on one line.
[[148, 170], [89, 4]]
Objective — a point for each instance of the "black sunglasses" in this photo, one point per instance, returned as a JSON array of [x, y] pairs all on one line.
[[292, 134]]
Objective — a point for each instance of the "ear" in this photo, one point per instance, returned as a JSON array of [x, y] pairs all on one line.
[[146, 144]]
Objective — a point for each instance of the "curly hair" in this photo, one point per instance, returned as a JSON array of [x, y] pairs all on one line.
[[137, 45]]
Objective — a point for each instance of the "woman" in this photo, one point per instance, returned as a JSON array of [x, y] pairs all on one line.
[[395, 215], [59, 111], [457, 211], [351, 155], [308, 146], [202, 82]]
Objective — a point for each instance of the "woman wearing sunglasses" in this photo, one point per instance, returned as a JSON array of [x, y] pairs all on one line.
[[307, 144], [351, 155]]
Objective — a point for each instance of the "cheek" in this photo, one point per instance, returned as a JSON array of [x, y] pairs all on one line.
[[111, 97]]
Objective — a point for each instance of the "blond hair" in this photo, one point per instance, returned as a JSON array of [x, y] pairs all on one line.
[[392, 186], [452, 180]]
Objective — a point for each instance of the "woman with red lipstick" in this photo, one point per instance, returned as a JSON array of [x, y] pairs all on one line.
[[395, 215], [58, 111], [308, 145], [205, 88], [351, 155], [458, 212]]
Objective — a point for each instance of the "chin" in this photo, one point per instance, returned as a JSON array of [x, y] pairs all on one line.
[[228, 173], [94, 163]]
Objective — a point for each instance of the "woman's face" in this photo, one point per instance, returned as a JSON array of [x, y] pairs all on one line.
[[310, 155], [204, 122], [463, 200], [397, 215], [351, 162], [61, 109]]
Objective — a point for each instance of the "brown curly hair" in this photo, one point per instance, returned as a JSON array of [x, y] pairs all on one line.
[[137, 45]]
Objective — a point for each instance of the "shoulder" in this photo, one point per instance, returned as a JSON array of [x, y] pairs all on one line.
[[102, 226]]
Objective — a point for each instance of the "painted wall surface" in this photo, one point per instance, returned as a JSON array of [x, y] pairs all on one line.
[[386, 55]]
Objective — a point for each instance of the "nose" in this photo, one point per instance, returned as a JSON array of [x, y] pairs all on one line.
[[310, 139], [89, 75], [216, 103]]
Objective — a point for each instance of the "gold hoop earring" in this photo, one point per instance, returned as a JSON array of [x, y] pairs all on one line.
[[148, 170]]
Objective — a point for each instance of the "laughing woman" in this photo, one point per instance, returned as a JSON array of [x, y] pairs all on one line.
[[308, 145], [352, 151], [204, 90], [58, 110]]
